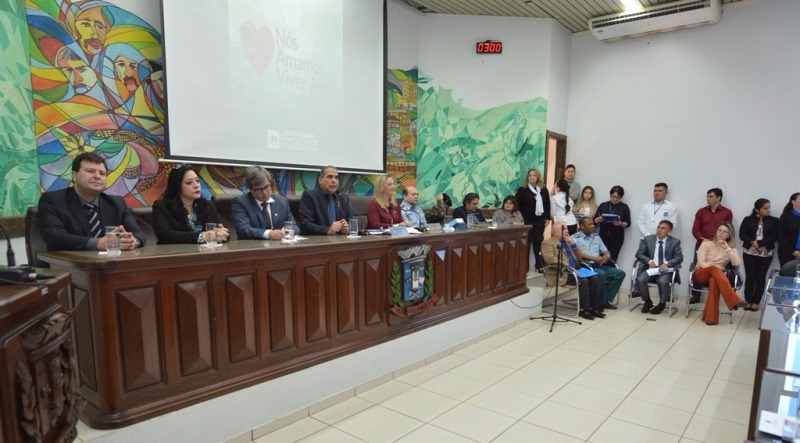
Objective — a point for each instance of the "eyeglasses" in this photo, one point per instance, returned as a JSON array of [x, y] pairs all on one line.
[[261, 189]]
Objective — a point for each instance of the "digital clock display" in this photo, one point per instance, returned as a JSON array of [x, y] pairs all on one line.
[[489, 47]]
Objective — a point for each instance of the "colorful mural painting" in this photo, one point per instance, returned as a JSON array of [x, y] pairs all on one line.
[[18, 172], [462, 150], [96, 74]]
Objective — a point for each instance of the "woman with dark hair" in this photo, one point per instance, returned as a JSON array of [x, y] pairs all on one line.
[[561, 207], [758, 233], [712, 258], [534, 204], [612, 229], [470, 207], [181, 213], [509, 214], [789, 230]]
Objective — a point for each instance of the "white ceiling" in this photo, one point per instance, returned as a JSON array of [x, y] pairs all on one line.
[[572, 14]]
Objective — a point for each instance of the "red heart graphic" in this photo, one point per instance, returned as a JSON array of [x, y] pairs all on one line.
[[258, 45]]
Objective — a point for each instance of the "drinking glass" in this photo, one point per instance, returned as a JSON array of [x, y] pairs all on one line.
[[289, 230], [211, 234], [112, 240], [495, 224], [470, 220], [353, 224]]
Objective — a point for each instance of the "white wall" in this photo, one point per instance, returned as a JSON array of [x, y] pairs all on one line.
[[715, 106], [402, 35], [558, 78], [18, 245], [522, 72]]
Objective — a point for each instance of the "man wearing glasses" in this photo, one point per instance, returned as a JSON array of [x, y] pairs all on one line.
[[260, 214]]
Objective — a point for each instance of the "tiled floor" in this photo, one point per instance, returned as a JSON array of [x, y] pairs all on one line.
[[621, 379]]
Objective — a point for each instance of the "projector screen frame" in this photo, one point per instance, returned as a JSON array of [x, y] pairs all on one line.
[[169, 157]]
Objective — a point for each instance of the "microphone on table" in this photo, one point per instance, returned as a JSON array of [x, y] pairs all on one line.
[[14, 274]]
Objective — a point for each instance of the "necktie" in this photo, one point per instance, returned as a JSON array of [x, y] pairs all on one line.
[[94, 220], [660, 252], [331, 210], [267, 214]]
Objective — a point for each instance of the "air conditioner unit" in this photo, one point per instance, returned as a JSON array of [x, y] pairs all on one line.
[[662, 18]]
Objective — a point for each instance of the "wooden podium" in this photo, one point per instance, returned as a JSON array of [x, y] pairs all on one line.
[[38, 382]]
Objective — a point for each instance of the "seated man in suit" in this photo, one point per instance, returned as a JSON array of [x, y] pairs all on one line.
[[588, 289], [323, 210], [75, 218], [594, 252], [659, 251], [409, 208], [260, 214]]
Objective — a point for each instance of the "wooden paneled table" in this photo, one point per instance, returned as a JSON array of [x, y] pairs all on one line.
[[39, 401], [168, 326]]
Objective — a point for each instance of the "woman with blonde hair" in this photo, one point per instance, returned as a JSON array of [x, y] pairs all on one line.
[[586, 207], [383, 210], [712, 258], [533, 201]]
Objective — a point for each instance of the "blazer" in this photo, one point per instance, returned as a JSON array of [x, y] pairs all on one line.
[[788, 228], [749, 228], [314, 211], [550, 248], [64, 225], [172, 229], [249, 218], [461, 212], [526, 202], [672, 250], [378, 218]]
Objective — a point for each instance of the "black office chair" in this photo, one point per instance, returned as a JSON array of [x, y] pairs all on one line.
[[736, 282], [674, 278]]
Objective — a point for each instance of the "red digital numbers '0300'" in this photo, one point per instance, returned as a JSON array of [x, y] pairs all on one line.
[[489, 47]]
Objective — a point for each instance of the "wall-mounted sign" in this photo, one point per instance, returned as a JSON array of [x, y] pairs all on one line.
[[489, 47]]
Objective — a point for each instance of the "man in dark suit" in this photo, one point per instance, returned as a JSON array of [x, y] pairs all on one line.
[[323, 210], [660, 251], [75, 218], [260, 214]]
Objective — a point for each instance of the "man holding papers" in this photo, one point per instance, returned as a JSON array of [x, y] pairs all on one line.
[[658, 254]]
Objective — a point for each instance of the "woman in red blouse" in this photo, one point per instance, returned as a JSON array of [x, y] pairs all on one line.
[[383, 210]]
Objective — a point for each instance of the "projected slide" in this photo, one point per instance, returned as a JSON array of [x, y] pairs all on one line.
[[290, 83]]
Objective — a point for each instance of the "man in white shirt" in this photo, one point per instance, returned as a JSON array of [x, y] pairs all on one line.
[[659, 209]]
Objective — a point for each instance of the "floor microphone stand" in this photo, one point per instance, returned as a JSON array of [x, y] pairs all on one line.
[[555, 318]]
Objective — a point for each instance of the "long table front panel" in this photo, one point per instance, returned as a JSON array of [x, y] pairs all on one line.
[[167, 326]]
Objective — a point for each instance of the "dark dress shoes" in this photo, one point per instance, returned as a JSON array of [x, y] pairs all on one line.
[[694, 300], [658, 308], [647, 306], [607, 306], [585, 314], [597, 314]]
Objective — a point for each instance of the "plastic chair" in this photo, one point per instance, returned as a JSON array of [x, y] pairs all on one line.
[[637, 266], [703, 289]]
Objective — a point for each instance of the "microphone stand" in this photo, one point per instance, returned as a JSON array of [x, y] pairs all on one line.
[[555, 317], [9, 252]]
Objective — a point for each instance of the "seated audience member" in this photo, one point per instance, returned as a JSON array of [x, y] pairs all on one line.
[[661, 251], [594, 252], [260, 214], [323, 210], [712, 258], [181, 213], [470, 207], [612, 232], [509, 214], [789, 230], [534, 204], [588, 289], [561, 206], [75, 218], [585, 207], [758, 233], [383, 210], [410, 210], [706, 220]]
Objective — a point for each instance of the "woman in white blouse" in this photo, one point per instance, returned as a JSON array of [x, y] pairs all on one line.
[[561, 207]]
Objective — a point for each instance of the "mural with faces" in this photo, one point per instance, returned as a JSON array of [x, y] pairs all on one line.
[[97, 81]]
